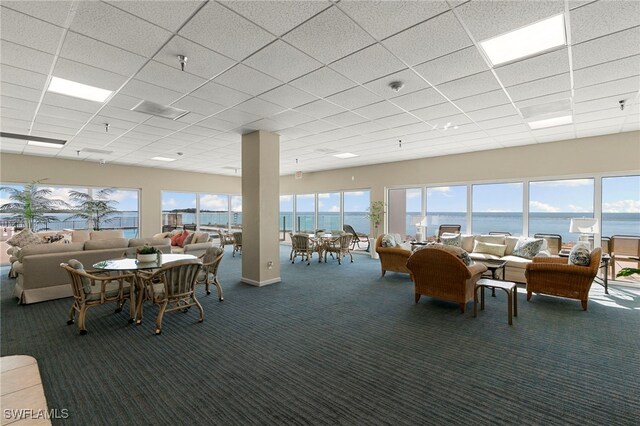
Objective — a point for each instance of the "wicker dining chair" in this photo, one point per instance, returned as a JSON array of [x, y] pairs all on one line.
[[93, 288], [209, 272], [303, 246], [341, 246], [237, 243], [225, 239], [172, 287]]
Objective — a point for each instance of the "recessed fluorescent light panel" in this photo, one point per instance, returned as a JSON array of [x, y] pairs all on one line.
[[550, 122], [45, 144], [35, 140], [78, 90], [163, 159], [345, 155], [526, 41]]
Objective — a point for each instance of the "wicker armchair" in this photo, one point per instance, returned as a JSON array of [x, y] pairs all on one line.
[[341, 246], [92, 288], [392, 259], [237, 243], [554, 276], [303, 246], [442, 275], [209, 272], [225, 238]]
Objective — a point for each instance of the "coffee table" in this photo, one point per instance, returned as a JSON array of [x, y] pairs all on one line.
[[512, 296]]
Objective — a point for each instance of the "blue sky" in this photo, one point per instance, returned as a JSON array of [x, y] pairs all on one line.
[[126, 200]]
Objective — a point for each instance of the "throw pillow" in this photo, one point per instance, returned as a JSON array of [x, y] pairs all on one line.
[[86, 282], [180, 238], [580, 255], [174, 239], [455, 241], [188, 240], [489, 248], [24, 238], [528, 247], [388, 240], [456, 251]]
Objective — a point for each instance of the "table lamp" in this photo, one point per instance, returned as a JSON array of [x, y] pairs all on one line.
[[585, 226]]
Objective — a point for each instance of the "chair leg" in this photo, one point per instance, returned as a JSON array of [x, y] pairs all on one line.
[[201, 318], [528, 295], [417, 297], [584, 304], [159, 318], [81, 320], [351, 257], [219, 288], [383, 272], [462, 307], [72, 314]]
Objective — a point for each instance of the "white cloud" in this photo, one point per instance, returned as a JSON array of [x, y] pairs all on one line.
[[214, 202], [414, 194], [622, 206], [334, 209], [565, 183], [169, 204], [306, 195], [537, 206], [574, 208], [355, 193], [497, 211], [286, 198], [325, 195], [120, 195], [441, 190]]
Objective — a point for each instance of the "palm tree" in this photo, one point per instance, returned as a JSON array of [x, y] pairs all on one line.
[[31, 204], [96, 210]]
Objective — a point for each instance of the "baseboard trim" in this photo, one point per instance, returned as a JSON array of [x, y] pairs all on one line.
[[260, 283]]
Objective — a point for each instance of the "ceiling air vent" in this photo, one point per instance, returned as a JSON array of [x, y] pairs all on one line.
[[164, 111], [327, 151], [544, 109], [96, 151]]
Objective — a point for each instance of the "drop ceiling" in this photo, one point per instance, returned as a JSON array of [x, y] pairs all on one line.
[[315, 72]]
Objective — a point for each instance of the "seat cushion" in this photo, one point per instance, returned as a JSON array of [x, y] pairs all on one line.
[[516, 261], [110, 289], [492, 239], [106, 235], [483, 256], [24, 238]]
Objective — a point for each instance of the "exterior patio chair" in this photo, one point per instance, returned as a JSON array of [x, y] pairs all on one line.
[[554, 242], [626, 248], [303, 246], [172, 287], [93, 288], [237, 243], [209, 272], [341, 246], [358, 237], [448, 229], [225, 239], [505, 233]]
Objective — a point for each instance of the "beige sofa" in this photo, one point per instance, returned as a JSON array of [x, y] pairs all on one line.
[[199, 245], [40, 277], [515, 267]]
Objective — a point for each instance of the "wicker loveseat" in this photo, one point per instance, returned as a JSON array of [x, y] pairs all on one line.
[[440, 274], [554, 276], [392, 258]]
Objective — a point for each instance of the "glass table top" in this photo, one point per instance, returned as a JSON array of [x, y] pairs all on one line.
[[124, 264]]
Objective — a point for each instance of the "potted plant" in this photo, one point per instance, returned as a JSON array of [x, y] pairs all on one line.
[[31, 205], [376, 216], [147, 253]]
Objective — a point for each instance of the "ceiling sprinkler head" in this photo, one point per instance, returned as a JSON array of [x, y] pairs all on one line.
[[622, 102], [396, 86], [106, 127], [183, 60]]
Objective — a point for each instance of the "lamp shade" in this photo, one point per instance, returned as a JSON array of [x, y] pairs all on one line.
[[584, 225]]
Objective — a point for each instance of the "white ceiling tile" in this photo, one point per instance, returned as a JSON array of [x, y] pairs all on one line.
[[420, 99], [265, 124], [201, 61], [15, 91], [277, 17], [14, 125], [484, 100], [25, 58], [431, 39], [320, 109], [88, 51], [260, 107], [492, 112], [382, 19], [330, 35], [397, 120], [219, 29], [247, 80], [29, 32], [288, 96], [368, 64], [282, 61], [22, 77], [518, 131], [86, 74], [469, 86], [69, 102], [354, 98], [317, 126], [540, 66], [214, 123], [486, 19], [124, 114], [378, 110], [167, 14], [412, 83], [544, 86], [323, 82], [587, 117], [106, 23], [197, 105], [292, 133], [602, 103], [236, 116], [606, 49], [539, 100], [605, 72], [437, 111], [55, 12], [458, 64], [511, 120], [220, 94], [616, 87], [292, 118], [169, 77], [346, 118], [583, 133], [19, 114], [123, 101], [68, 114], [142, 90], [602, 18]]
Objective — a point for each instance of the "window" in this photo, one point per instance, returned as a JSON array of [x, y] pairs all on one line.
[[305, 213], [446, 205], [236, 212], [179, 209], [125, 202], [329, 211], [552, 205], [498, 208], [404, 210], [286, 215], [620, 206], [356, 205], [214, 212]]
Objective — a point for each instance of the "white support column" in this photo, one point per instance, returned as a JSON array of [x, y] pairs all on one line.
[[260, 208]]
